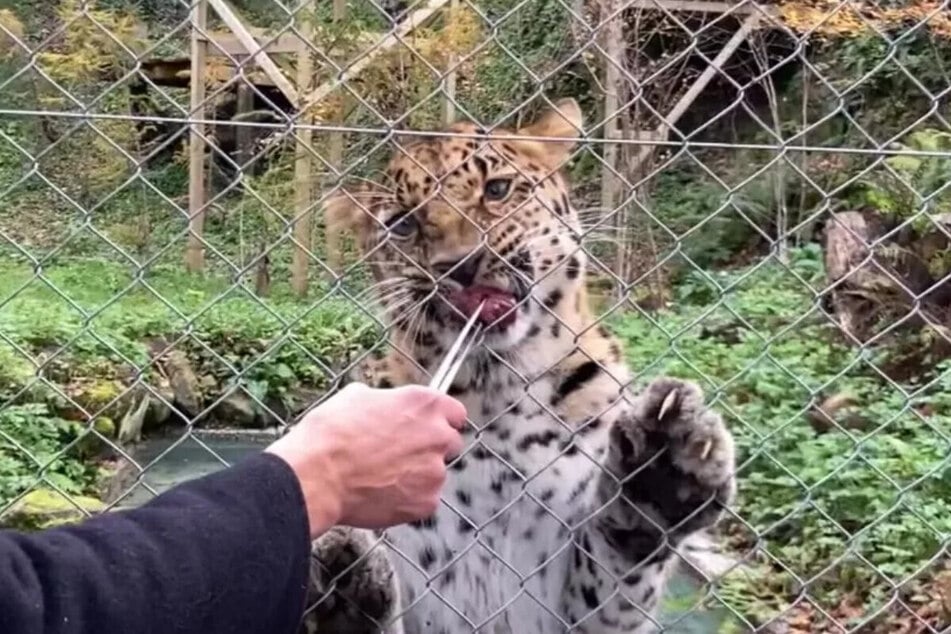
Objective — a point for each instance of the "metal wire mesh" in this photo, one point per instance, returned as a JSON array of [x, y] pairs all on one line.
[[761, 194]]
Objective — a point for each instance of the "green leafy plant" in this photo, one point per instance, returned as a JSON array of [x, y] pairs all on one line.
[[841, 509], [32, 443], [918, 180]]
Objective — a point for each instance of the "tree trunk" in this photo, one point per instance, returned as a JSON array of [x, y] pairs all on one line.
[[847, 239]]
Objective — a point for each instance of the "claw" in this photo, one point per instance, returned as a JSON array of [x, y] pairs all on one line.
[[707, 446], [668, 403]]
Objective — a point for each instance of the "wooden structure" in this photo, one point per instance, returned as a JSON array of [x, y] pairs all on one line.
[[612, 43], [210, 60]]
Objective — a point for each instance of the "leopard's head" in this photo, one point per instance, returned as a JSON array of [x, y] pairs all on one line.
[[467, 216]]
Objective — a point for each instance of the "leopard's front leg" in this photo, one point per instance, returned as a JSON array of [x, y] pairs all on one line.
[[668, 473]]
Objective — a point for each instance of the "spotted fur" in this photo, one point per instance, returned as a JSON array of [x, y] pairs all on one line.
[[567, 505]]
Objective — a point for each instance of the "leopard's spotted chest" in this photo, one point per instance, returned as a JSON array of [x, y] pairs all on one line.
[[522, 450], [504, 535]]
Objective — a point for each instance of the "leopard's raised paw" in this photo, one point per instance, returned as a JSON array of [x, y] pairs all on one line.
[[675, 452]]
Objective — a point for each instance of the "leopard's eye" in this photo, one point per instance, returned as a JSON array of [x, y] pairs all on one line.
[[497, 188], [403, 225]]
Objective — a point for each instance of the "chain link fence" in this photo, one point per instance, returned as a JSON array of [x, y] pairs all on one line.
[[761, 206]]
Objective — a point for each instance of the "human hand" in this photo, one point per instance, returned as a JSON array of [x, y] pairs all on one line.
[[373, 458]]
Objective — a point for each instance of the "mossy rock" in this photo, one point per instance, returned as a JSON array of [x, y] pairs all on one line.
[[105, 426], [102, 392], [92, 395], [121, 400], [91, 445], [44, 508], [237, 410]]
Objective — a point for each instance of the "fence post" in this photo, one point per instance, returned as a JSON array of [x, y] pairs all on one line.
[[335, 156], [303, 164], [612, 44], [195, 252]]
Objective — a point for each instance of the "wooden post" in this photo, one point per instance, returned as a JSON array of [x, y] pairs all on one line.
[[245, 103], [613, 46], [195, 253], [303, 167], [335, 158]]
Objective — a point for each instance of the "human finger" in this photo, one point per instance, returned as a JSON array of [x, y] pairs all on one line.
[[452, 445], [454, 411], [448, 407]]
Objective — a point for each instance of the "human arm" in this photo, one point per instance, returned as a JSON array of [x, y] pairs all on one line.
[[224, 553], [230, 552]]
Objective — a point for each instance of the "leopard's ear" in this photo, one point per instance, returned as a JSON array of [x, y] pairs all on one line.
[[352, 211], [562, 123]]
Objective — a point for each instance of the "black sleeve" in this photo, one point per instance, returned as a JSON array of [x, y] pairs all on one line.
[[224, 553]]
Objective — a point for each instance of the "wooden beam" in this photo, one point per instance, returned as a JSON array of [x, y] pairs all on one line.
[[195, 251], [303, 172], [748, 26], [415, 20], [259, 56], [228, 44], [663, 130], [700, 6]]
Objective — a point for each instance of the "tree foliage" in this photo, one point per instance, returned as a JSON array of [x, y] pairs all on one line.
[[92, 41], [832, 19], [11, 32]]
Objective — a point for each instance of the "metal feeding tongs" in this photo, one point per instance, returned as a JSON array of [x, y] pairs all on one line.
[[446, 373]]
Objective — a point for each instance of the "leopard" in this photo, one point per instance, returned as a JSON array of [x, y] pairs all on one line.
[[575, 492]]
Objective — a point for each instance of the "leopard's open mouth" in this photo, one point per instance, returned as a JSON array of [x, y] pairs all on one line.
[[499, 308]]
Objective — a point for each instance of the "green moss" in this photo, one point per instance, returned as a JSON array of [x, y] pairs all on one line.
[[102, 392], [43, 508], [105, 426]]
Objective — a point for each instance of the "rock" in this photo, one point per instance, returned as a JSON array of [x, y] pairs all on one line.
[[285, 409], [207, 382], [184, 383], [160, 409], [130, 429], [43, 508], [89, 396], [237, 410], [91, 445]]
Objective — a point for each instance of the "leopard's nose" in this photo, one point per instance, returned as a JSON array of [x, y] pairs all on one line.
[[463, 270]]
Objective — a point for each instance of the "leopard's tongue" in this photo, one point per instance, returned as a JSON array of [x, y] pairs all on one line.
[[498, 304]]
